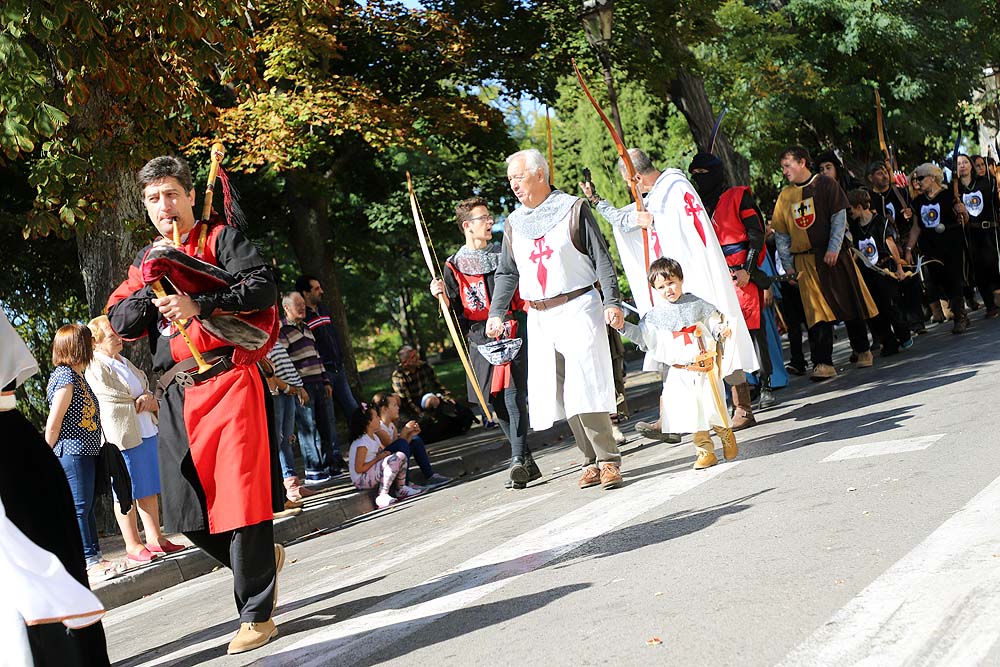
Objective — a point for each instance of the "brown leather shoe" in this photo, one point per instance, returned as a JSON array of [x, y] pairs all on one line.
[[610, 476], [823, 372], [591, 477], [251, 636]]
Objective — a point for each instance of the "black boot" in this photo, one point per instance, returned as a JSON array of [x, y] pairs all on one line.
[[961, 320], [766, 396], [533, 471]]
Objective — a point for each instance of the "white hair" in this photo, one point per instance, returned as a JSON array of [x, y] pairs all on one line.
[[533, 161], [287, 299]]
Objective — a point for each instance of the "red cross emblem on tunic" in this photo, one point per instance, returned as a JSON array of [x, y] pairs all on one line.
[[686, 333], [655, 238], [537, 256], [692, 208]]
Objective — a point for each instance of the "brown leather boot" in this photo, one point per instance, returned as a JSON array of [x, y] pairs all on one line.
[[743, 415], [729, 448], [706, 451]]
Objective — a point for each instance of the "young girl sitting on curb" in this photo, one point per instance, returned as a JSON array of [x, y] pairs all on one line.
[[371, 466], [407, 441]]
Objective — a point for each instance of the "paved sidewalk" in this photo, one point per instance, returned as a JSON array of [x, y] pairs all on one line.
[[339, 502]]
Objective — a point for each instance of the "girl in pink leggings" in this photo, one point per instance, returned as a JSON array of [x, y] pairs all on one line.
[[372, 466]]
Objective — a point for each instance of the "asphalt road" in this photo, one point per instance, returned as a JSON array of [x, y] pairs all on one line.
[[858, 526]]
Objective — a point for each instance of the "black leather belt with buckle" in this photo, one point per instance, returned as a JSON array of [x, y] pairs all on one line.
[[186, 374]]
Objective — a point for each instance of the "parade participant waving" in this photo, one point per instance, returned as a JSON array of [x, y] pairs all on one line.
[[214, 440], [468, 285], [553, 253], [678, 331]]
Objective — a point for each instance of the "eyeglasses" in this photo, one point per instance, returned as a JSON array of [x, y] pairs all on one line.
[[487, 217], [920, 178]]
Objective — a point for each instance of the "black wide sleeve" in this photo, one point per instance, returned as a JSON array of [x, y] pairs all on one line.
[[750, 217], [254, 288]]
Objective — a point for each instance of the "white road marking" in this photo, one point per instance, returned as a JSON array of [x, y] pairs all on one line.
[[334, 579], [407, 612], [882, 448], [937, 605]]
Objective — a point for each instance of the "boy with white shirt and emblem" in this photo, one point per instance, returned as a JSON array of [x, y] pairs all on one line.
[[874, 237]]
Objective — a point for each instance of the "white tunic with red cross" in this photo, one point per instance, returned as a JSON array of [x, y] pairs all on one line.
[[686, 235], [582, 382]]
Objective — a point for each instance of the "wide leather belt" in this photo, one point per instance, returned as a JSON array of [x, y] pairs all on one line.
[[185, 372], [552, 302]]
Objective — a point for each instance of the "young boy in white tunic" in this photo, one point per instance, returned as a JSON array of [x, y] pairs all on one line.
[[681, 331]]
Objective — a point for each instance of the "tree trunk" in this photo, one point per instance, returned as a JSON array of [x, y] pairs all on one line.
[[310, 231], [688, 95], [105, 250]]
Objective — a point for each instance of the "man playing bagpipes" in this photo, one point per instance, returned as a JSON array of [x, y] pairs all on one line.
[[206, 301]]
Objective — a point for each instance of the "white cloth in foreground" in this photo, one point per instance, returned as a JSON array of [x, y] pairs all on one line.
[[37, 585]]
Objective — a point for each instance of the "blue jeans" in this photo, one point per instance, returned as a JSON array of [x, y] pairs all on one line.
[[342, 391], [81, 472], [324, 418], [284, 425], [418, 450], [312, 454]]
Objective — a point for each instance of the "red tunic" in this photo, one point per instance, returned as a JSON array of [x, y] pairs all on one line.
[[221, 422], [728, 220]]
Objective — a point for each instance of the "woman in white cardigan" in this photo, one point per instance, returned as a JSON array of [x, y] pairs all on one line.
[[128, 418]]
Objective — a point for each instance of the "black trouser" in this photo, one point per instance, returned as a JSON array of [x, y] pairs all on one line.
[[948, 277], [890, 325], [759, 337], [511, 409], [821, 335], [794, 315], [249, 553], [983, 244]]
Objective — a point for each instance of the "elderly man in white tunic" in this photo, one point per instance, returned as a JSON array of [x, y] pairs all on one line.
[[554, 253]]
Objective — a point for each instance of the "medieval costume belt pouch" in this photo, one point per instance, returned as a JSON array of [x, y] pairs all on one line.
[[703, 363], [499, 352]]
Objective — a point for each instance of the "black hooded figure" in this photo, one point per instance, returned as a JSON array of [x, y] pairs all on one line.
[[710, 184], [846, 181]]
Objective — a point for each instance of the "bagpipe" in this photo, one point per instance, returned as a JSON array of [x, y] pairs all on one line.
[[183, 268]]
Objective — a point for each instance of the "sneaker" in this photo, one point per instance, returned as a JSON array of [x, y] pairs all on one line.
[[906, 345], [796, 369], [865, 359], [251, 636], [823, 372], [437, 480], [653, 432], [312, 479], [610, 476], [518, 471], [591, 477], [408, 492], [511, 484], [617, 434], [287, 512], [104, 571], [534, 472], [384, 500]]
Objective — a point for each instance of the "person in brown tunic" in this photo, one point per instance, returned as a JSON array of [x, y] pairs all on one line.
[[810, 218]]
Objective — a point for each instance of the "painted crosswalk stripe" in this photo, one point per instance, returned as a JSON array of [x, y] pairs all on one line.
[[938, 605], [338, 579], [402, 614], [866, 449]]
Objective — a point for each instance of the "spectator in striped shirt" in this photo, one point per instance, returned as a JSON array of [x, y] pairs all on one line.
[[291, 408], [330, 350], [302, 350]]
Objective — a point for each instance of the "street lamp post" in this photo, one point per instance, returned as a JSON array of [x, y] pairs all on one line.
[[596, 19]]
